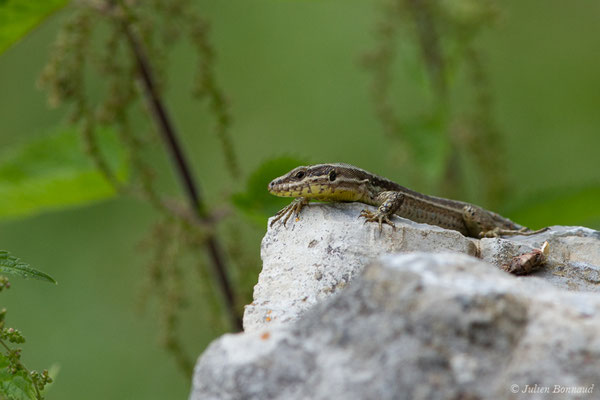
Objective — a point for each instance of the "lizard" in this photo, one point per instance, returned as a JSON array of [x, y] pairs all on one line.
[[341, 182]]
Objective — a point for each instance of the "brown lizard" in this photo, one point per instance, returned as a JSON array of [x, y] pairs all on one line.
[[347, 183]]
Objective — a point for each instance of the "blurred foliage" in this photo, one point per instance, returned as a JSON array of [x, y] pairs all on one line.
[[293, 91], [572, 206], [255, 201], [126, 43], [17, 17], [53, 172], [435, 39]]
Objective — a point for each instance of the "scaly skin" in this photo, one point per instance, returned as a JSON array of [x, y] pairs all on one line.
[[346, 183]]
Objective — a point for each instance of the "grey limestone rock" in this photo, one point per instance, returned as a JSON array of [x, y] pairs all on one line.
[[418, 326], [312, 258]]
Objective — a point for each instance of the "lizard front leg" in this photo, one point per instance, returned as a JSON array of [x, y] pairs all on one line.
[[389, 202], [293, 208]]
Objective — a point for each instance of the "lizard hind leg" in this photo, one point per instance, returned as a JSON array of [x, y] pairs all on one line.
[[480, 224], [497, 232], [389, 201]]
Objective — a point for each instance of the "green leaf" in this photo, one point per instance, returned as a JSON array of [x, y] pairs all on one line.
[[256, 202], [53, 172], [15, 386], [12, 265], [18, 17], [561, 206]]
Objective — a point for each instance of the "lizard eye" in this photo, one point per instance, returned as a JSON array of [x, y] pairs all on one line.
[[332, 175], [300, 174]]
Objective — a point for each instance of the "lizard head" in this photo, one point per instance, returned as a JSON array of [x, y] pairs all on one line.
[[337, 182]]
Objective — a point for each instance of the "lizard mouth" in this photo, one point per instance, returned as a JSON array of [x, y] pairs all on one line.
[[280, 188]]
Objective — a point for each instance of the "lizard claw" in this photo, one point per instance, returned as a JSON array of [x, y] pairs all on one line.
[[293, 208], [378, 217]]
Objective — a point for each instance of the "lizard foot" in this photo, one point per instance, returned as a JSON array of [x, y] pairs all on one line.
[[293, 208], [378, 217]]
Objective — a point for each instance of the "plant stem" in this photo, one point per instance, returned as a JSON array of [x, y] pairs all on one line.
[[169, 135]]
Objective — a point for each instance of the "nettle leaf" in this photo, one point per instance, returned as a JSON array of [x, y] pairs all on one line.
[[10, 264], [15, 386], [18, 17], [256, 202], [53, 172]]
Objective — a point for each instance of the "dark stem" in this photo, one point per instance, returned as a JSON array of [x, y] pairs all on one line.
[[430, 44], [167, 130]]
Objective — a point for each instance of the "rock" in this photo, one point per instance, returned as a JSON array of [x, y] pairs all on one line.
[[573, 263], [319, 254], [316, 256], [414, 326]]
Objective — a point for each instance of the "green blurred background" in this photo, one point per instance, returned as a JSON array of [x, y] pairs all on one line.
[[291, 71]]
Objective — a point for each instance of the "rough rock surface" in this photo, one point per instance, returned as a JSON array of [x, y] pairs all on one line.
[[418, 326], [573, 262], [312, 258], [319, 254]]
